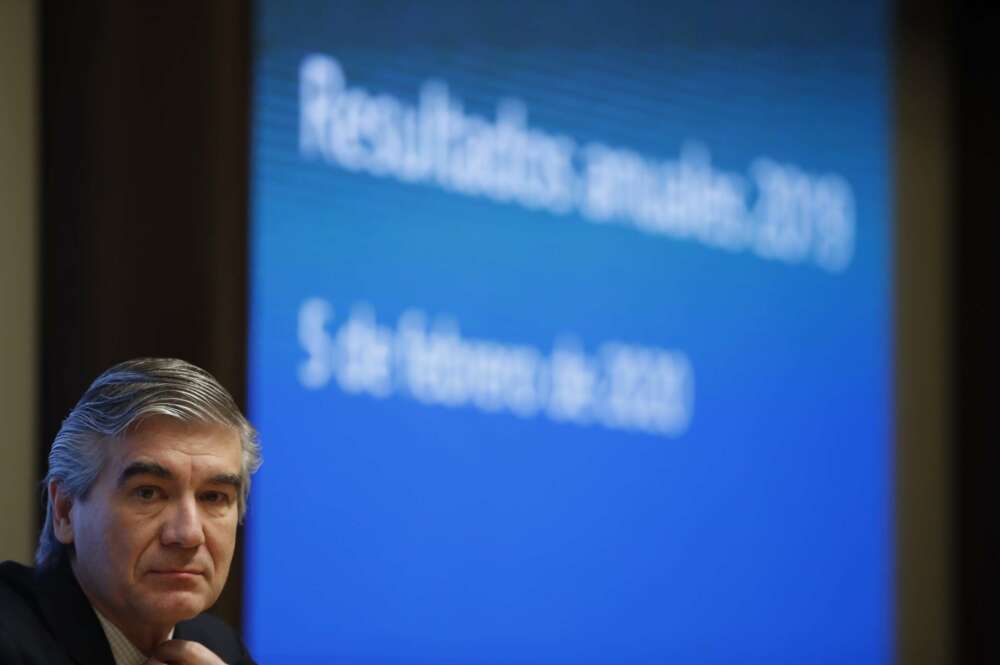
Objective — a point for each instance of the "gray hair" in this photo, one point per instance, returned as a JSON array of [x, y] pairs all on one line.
[[115, 405]]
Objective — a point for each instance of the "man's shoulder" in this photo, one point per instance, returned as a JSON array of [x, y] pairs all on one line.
[[215, 634], [14, 573], [17, 591], [25, 635]]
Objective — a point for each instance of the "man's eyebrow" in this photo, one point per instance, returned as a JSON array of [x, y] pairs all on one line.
[[143, 469], [226, 479]]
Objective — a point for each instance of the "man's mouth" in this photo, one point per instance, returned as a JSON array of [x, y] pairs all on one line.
[[178, 573]]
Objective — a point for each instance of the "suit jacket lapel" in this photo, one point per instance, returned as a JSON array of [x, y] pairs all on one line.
[[71, 617]]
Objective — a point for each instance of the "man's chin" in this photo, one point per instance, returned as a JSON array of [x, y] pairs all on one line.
[[169, 607]]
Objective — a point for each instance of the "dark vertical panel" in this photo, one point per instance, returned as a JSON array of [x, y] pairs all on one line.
[[977, 275], [924, 167], [144, 195]]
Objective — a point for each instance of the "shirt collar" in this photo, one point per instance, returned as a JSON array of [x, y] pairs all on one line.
[[124, 652]]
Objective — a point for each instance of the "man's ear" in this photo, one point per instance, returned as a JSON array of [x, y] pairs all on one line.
[[62, 505]]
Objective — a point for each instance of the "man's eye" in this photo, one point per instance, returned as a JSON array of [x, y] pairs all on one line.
[[218, 498], [147, 493]]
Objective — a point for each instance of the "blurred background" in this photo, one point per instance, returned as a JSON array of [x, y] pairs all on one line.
[[575, 332]]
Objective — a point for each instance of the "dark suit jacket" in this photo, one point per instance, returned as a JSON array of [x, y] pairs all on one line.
[[45, 619]]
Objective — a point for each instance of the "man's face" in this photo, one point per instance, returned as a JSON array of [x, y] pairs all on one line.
[[155, 536]]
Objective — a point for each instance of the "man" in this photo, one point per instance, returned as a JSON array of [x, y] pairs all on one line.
[[148, 479]]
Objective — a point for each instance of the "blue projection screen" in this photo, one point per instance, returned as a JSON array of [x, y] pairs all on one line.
[[571, 334]]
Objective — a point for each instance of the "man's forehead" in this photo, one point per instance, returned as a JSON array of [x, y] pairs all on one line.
[[165, 440], [168, 427]]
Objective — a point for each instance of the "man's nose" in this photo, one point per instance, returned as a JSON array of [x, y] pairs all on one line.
[[183, 527]]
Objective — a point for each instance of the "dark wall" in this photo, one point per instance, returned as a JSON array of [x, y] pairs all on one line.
[[144, 195], [977, 307]]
